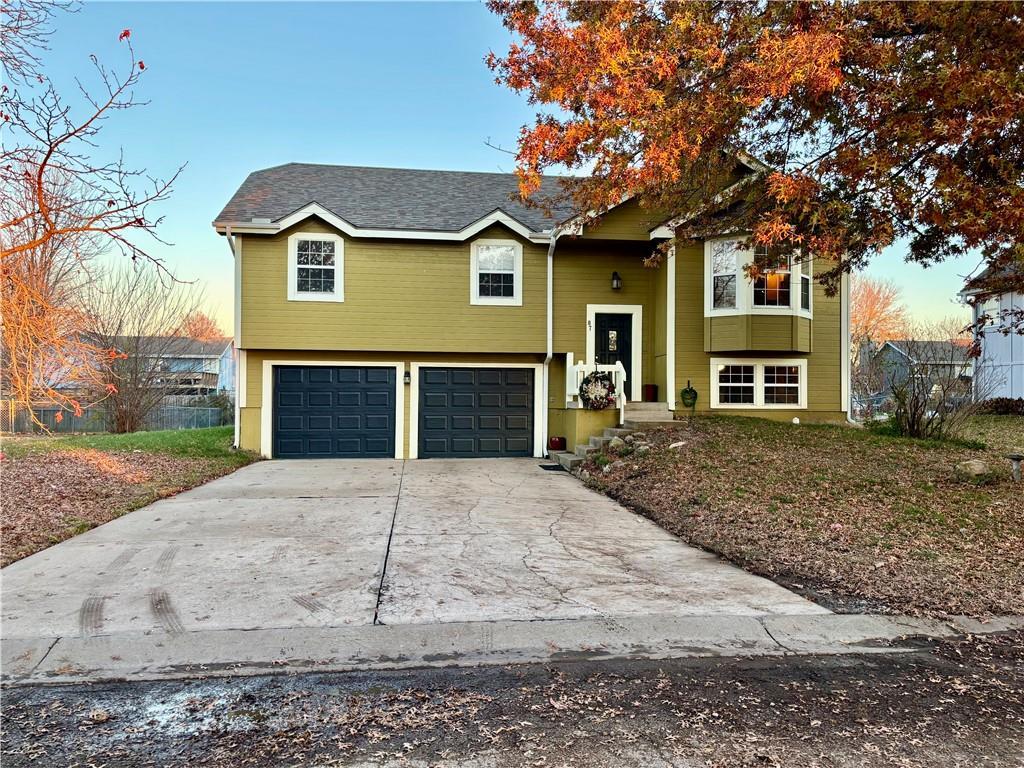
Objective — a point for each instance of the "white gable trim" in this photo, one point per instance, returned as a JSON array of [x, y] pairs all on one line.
[[315, 209]]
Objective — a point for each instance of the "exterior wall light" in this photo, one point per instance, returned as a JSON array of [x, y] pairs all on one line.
[[616, 281], [407, 378]]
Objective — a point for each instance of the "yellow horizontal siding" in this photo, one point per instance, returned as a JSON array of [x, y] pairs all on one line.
[[583, 275], [398, 295], [628, 221]]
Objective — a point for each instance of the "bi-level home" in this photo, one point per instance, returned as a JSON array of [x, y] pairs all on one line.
[[385, 312]]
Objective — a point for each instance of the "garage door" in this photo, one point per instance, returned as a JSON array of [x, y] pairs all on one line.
[[466, 412], [334, 412]]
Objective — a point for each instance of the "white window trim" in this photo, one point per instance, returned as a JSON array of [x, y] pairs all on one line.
[[759, 364], [516, 299], [293, 266], [540, 415], [267, 397], [636, 312], [745, 286]]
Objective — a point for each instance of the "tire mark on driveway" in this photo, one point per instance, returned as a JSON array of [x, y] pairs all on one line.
[[311, 604], [122, 559], [90, 616], [163, 611], [166, 560]]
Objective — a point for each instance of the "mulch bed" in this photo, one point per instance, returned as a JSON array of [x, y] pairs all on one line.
[[857, 521], [50, 497]]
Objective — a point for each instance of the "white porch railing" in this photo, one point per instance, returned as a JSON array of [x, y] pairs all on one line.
[[576, 372]]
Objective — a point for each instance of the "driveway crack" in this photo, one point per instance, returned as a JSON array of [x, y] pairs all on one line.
[[387, 552]]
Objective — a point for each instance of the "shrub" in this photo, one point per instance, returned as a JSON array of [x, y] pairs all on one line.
[[1002, 406]]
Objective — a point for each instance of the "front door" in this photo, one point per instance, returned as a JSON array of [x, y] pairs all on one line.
[[614, 342]]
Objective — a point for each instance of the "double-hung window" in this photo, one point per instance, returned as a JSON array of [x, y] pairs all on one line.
[[781, 385], [496, 272], [765, 383], [806, 286], [723, 274], [772, 286], [316, 267], [735, 384]]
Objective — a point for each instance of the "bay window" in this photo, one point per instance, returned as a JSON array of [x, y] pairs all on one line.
[[784, 285]]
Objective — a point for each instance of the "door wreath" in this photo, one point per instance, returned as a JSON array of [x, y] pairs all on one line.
[[597, 391]]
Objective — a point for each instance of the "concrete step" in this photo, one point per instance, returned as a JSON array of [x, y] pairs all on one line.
[[642, 424], [665, 415], [611, 432], [597, 442], [633, 405], [568, 460], [585, 450]]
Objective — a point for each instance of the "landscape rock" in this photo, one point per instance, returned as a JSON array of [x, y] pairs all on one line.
[[679, 444], [629, 438], [972, 469], [643, 449], [616, 444]]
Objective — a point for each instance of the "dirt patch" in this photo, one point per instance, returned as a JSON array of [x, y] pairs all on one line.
[[958, 704], [50, 497], [855, 520]]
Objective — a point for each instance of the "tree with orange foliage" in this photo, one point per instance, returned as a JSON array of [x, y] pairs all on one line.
[[874, 120], [200, 326], [877, 312], [59, 206]]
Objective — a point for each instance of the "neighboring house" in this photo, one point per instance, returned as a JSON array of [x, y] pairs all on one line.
[[942, 363], [226, 367], [1001, 361], [409, 313], [186, 366]]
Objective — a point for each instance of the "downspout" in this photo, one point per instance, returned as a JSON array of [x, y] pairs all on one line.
[[545, 378], [845, 365], [234, 257]]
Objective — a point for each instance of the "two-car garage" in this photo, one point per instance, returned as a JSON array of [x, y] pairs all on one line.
[[357, 411]]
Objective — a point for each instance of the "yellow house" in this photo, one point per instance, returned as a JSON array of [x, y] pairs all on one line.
[[411, 314]]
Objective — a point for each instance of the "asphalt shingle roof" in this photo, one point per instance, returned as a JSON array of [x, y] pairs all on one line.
[[386, 198], [931, 351]]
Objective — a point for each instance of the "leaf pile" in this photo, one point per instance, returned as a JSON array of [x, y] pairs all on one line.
[[856, 520]]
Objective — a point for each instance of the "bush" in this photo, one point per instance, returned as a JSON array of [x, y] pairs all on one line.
[[1002, 406]]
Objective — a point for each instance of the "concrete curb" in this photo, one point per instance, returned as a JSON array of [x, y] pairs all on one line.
[[157, 656]]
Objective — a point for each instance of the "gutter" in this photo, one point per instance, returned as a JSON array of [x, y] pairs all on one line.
[[545, 378]]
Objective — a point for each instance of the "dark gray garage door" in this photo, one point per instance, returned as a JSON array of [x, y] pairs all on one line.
[[466, 412], [334, 412]]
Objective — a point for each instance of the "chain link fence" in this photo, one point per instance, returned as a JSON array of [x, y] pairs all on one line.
[[14, 419]]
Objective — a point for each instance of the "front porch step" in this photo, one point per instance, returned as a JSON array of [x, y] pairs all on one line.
[[611, 432], [640, 424], [585, 450], [569, 461], [633, 405]]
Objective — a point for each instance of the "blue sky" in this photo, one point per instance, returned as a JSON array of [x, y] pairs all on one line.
[[233, 87]]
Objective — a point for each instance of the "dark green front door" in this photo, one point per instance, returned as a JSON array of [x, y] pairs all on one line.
[[613, 342], [475, 412]]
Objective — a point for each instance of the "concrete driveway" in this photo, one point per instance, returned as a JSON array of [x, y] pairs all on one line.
[[326, 544]]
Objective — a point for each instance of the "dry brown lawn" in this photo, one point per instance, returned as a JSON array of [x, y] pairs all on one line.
[[53, 488], [857, 520]]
